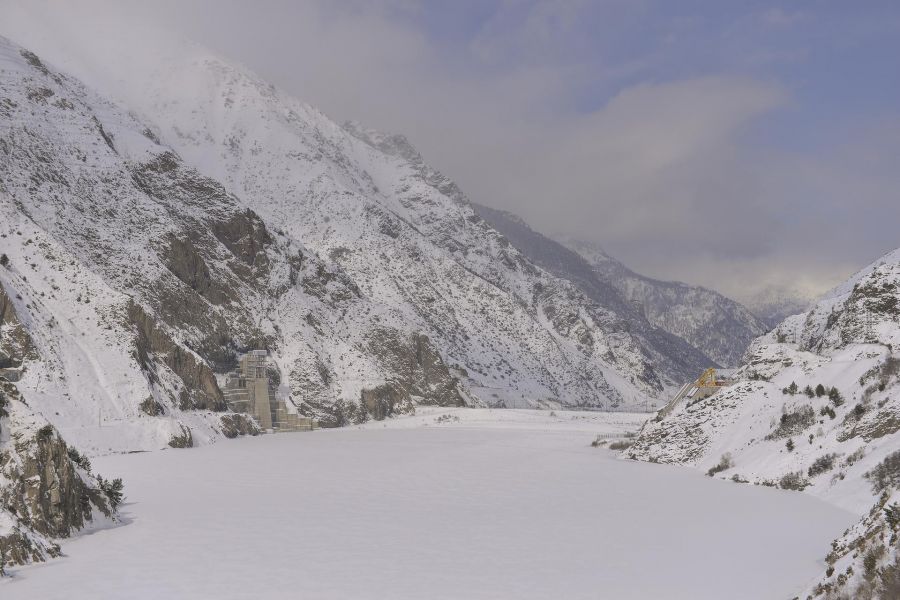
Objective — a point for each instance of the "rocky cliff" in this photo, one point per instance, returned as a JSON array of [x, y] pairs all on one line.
[[47, 490]]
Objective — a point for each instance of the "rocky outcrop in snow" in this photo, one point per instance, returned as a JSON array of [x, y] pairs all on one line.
[[47, 491]]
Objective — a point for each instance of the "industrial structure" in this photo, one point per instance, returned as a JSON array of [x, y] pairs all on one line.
[[250, 389], [709, 382]]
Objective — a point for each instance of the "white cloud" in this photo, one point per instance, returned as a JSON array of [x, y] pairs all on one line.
[[662, 173], [779, 17]]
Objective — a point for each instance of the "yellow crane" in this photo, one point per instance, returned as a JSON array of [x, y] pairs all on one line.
[[707, 379]]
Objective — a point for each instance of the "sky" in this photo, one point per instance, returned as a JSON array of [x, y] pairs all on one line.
[[744, 146]]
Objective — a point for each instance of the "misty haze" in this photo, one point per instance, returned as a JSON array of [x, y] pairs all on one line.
[[406, 299]]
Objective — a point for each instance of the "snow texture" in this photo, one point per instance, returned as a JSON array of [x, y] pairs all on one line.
[[399, 510]]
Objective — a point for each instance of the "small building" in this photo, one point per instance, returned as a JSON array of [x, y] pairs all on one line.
[[250, 389]]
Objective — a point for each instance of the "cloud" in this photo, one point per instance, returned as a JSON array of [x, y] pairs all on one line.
[[669, 137], [778, 17]]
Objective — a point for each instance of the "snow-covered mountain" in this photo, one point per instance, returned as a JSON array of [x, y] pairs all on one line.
[[138, 278], [692, 327], [407, 236], [112, 237], [717, 326], [817, 409], [774, 304]]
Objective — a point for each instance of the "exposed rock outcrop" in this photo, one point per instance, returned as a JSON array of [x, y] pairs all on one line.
[[154, 346], [420, 370], [15, 343], [234, 425], [44, 494]]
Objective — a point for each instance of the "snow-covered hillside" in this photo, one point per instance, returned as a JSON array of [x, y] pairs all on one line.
[[47, 489], [406, 235], [672, 353], [717, 326], [403, 233], [402, 252], [817, 409]]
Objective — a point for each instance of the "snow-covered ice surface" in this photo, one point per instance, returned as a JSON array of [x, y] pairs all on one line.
[[451, 510], [595, 422]]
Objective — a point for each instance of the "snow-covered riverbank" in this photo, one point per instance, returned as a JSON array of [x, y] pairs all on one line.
[[444, 511]]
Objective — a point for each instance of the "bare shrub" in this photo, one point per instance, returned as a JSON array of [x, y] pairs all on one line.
[[794, 422], [886, 474], [821, 465], [793, 481], [725, 463]]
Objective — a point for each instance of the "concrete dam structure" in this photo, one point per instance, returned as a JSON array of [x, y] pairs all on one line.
[[249, 389]]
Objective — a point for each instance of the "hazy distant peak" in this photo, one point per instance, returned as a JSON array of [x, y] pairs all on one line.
[[393, 144]]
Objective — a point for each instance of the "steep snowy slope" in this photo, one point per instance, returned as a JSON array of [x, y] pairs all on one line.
[[129, 282], [717, 326], [672, 354], [47, 490], [141, 280], [817, 409], [406, 235]]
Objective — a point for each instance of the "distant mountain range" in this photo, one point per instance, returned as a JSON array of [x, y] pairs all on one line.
[[719, 328]]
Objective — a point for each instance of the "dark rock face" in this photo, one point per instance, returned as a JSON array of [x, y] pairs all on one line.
[[15, 343], [19, 548], [420, 370], [386, 401], [331, 287], [234, 425], [185, 262], [152, 344], [245, 236], [47, 494]]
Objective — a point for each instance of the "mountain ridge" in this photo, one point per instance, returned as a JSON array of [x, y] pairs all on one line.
[[708, 328]]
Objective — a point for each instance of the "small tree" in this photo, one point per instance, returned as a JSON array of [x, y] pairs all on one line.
[[892, 515], [79, 459], [827, 410], [725, 463], [113, 490], [789, 445], [820, 390], [4, 260], [791, 389], [835, 396], [809, 391]]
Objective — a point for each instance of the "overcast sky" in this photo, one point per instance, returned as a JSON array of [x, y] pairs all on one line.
[[737, 145]]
